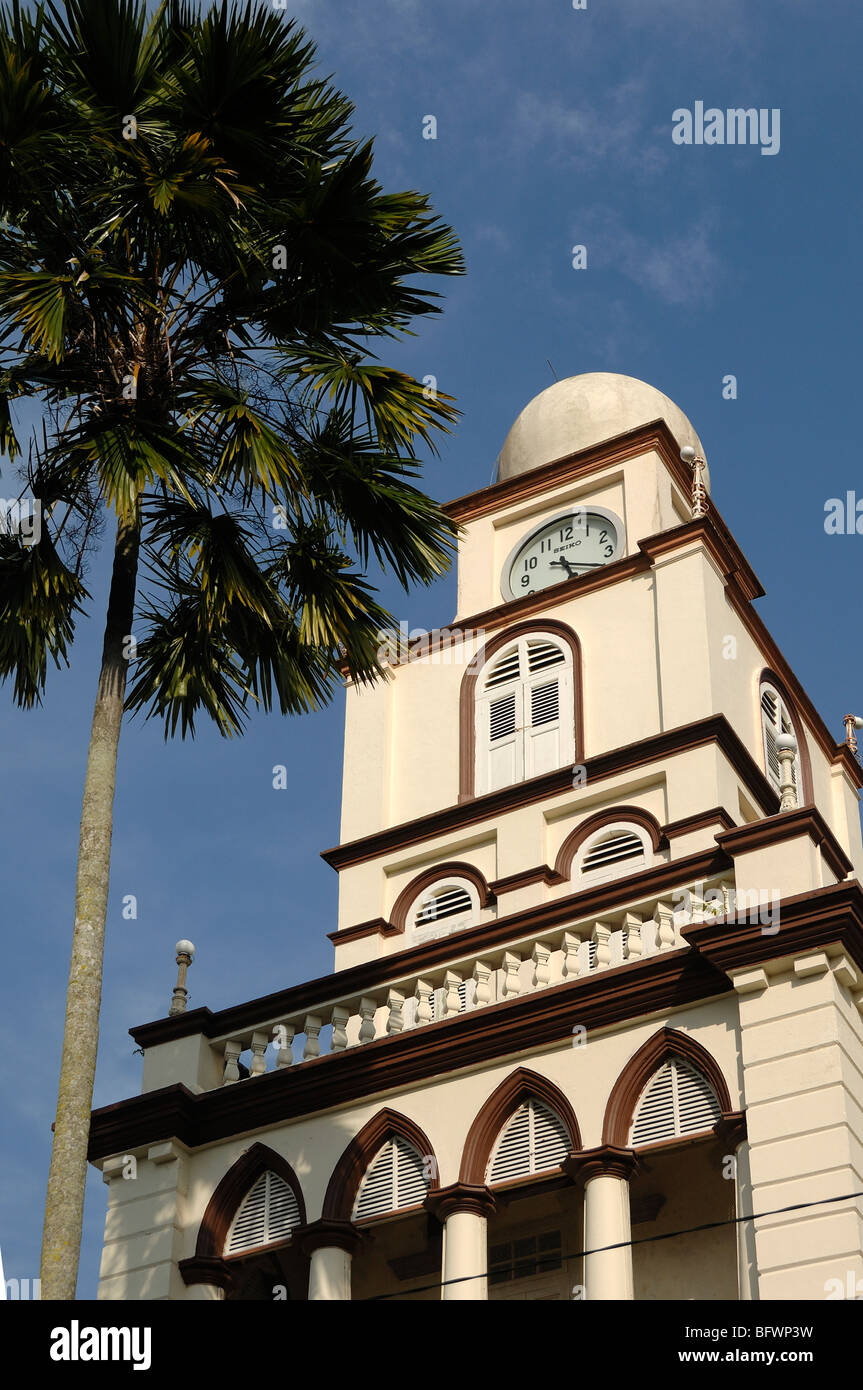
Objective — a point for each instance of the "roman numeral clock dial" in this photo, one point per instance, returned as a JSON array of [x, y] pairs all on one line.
[[579, 541]]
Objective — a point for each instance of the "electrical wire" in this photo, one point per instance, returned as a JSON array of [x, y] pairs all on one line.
[[627, 1244]]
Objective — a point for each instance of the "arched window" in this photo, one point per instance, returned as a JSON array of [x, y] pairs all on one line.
[[677, 1100], [614, 850], [445, 906], [268, 1212], [534, 1140], [524, 712], [775, 720], [396, 1178]]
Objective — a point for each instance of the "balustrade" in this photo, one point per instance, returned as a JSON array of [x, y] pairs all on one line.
[[560, 956]]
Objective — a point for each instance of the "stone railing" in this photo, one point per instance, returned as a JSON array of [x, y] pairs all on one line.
[[466, 983]]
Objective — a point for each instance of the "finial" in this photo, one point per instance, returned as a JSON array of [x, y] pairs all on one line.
[[185, 951], [852, 722], [699, 491], [786, 749]]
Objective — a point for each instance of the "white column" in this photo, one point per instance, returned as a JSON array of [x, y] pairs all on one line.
[[330, 1274], [607, 1272], [747, 1265], [465, 1256], [201, 1293]]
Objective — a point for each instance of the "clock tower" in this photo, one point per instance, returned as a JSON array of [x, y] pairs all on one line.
[[595, 1022]]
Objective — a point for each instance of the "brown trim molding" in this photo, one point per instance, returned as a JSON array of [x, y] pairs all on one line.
[[232, 1188], [705, 820], [461, 1196], [351, 1167], [789, 825], [467, 700], [378, 926], [606, 1161], [807, 922], [535, 606], [576, 838], [653, 436], [770, 677], [541, 874], [329, 1234], [527, 1023], [513, 1091], [358, 979], [450, 868], [731, 1130], [627, 1089], [206, 1269], [714, 729]]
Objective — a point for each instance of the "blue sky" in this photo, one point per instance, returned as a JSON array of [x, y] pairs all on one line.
[[553, 129]]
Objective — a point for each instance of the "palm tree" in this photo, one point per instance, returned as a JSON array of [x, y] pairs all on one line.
[[194, 261]]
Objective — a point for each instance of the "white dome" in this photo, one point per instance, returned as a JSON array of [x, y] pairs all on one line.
[[581, 411]]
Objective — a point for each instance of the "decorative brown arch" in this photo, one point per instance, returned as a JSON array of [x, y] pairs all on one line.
[[348, 1172], [222, 1206], [627, 1089], [573, 842], [770, 677], [452, 869], [467, 723], [519, 1086]]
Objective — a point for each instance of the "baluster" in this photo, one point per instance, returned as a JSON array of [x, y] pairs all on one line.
[[258, 1064], [571, 960], [395, 1004], [512, 976], [451, 996], [312, 1027], [368, 1009], [602, 938], [232, 1053], [634, 946], [339, 1019], [285, 1036], [482, 977], [424, 992], [665, 934], [540, 956]]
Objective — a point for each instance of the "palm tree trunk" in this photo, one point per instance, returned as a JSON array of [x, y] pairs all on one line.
[[64, 1207]]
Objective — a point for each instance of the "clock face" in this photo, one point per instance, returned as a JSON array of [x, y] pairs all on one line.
[[577, 542]]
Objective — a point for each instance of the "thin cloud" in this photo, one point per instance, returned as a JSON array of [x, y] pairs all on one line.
[[616, 132]]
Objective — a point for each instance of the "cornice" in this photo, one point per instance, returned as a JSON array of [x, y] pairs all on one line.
[[475, 1198], [653, 436], [807, 922], [788, 825], [327, 1234], [660, 983], [657, 984], [714, 729], [606, 1161], [543, 917]]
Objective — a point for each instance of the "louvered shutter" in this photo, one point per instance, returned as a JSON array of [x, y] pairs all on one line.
[[549, 736], [775, 720], [452, 901], [268, 1212], [534, 1140], [524, 723], [678, 1100], [395, 1179], [611, 848], [503, 739]]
